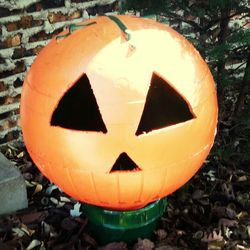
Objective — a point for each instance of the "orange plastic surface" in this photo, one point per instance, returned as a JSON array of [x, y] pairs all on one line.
[[79, 162]]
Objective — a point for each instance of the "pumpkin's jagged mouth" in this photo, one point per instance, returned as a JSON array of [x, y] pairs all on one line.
[[124, 163]]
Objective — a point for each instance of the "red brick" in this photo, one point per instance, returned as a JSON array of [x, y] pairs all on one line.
[[9, 100], [18, 83], [20, 67], [12, 99], [56, 17], [2, 60], [18, 53], [4, 12], [75, 14], [4, 100], [12, 26], [13, 41], [37, 23], [3, 87], [56, 32], [79, 1], [6, 115], [8, 124], [26, 22], [101, 9], [39, 7], [37, 49], [9, 137], [40, 36], [22, 52], [4, 126], [47, 4], [35, 7]]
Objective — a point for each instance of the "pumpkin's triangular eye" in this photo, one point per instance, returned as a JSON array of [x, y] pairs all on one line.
[[124, 163], [164, 107], [78, 109]]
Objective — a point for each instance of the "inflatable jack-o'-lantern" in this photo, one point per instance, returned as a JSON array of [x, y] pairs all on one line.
[[119, 111]]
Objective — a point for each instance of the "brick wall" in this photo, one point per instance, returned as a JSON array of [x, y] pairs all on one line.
[[26, 26]]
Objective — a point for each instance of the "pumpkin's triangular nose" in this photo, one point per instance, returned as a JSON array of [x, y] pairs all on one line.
[[124, 163]]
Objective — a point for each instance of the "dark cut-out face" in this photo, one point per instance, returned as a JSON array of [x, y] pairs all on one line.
[[164, 107], [78, 109], [124, 163]]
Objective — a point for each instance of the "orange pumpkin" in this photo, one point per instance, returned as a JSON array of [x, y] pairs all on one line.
[[119, 113]]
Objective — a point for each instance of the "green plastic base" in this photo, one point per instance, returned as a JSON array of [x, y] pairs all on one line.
[[109, 226]]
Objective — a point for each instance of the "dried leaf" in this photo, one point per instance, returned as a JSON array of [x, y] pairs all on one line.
[[50, 188], [54, 200], [144, 244], [33, 244], [168, 247], [64, 199], [23, 230], [33, 217], [223, 223], [38, 188], [28, 184], [75, 212], [222, 212], [215, 245], [198, 235], [82, 221], [210, 174], [45, 228], [6, 225], [68, 224], [42, 246], [227, 232], [230, 213], [213, 236], [197, 194], [18, 232], [204, 201], [10, 152], [89, 239], [227, 188], [241, 233], [20, 155], [242, 214], [242, 178], [45, 201], [28, 177], [161, 234], [180, 232], [5, 246], [27, 230], [114, 246], [248, 231], [58, 204]]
